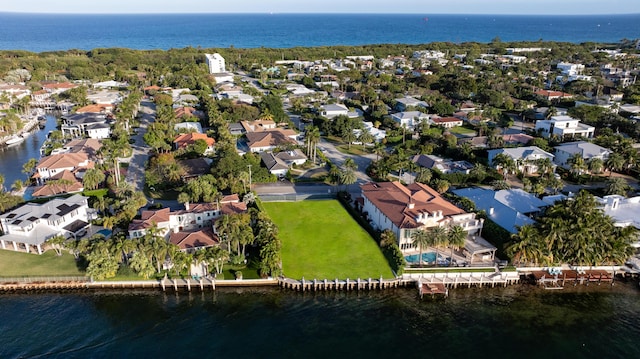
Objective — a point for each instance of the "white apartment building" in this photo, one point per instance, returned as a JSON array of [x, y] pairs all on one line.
[[216, 63]]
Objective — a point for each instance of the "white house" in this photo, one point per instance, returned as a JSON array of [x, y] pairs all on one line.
[[584, 149], [405, 102], [216, 63], [509, 209], [28, 227], [570, 69], [407, 209], [446, 122], [334, 110], [525, 157], [195, 216], [410, 119], [564, 127]]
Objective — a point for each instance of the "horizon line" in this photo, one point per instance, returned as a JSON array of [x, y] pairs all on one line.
[[308, 13]]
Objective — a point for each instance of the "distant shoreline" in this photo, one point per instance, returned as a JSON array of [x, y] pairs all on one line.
[[39, 32]]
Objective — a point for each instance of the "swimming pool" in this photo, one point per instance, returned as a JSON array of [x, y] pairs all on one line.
[[428, 257], [105, 232]]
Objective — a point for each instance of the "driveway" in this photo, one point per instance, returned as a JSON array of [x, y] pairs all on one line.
[[338, 158], [140, 153]]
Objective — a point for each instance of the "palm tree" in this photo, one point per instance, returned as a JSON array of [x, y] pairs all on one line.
[[504, 163], [217, 256], [577, 163], [421, 239], [438, 238], [456, 237], [379, 150], [349, 163], [617, 185], [313, 136], [348, 177], [615, 162], [57, 243], [524, 248], [595, 165]]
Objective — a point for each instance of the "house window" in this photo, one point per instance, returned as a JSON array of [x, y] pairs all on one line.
[[198, 218]]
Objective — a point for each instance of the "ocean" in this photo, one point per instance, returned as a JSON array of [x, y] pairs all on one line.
[[513, 322], [518, 321], [50, 32]]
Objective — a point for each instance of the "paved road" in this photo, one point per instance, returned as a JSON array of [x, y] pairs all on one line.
[[140, 155], [338, 159]]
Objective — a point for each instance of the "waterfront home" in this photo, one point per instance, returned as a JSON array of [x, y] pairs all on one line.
[[49, 166], [195, 216], [509, 209], [624, 211], [93, 125], [190, 241], [62, 182], [564, 127], [586, 150], [88, 146], [407, 209], [525, 158], [28, 227]]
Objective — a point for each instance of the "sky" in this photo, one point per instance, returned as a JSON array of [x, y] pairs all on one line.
[[523, 7]]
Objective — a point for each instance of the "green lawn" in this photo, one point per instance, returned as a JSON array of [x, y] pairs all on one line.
[[321, 240], [463, 131], [16, 264]]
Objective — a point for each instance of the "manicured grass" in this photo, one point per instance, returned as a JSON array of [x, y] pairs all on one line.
[[16, 264], [462, 131], [321, 240]]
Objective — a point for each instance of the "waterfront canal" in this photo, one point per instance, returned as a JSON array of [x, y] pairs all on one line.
[[12, 158]]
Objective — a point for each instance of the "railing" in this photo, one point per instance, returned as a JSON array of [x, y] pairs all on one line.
[[295, 197], [44, 279]]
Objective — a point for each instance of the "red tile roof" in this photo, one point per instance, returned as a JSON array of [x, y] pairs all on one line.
[[393, 199], [191, 240], [186, 139]]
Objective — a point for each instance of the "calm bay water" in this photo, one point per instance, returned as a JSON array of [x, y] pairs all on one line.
[[591, 322], [47, 32], [12, 158]]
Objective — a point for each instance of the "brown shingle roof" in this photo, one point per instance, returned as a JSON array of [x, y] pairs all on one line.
[[69, 184], [393, 198]]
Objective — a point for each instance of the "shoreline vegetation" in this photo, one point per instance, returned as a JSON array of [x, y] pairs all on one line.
[[306, 245]]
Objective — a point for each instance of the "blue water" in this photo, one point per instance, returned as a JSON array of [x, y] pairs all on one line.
[[515, 322], [426, 257], [48, 32]]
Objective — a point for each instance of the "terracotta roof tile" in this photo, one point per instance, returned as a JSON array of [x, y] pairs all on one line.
[[393, 198]]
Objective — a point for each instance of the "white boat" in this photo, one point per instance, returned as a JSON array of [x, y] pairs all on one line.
[[14, 140], [25, 134]]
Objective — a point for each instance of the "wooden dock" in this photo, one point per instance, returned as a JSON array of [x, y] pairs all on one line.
[[470, 279], [165, 284], [316, 285], [559, 280]]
